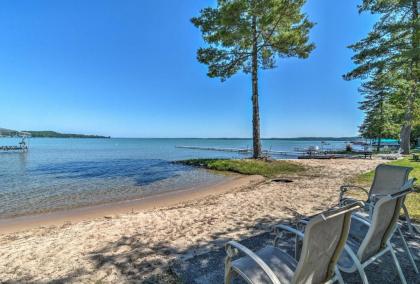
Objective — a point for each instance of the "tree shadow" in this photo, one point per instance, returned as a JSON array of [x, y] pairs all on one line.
[[135, 260], [28, 278], [141, 262]]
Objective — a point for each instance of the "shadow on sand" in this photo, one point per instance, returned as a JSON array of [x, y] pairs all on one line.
[[135, 261]]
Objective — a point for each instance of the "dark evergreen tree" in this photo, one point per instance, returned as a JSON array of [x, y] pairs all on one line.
[[392, 46], [379, 111], [246, 35]]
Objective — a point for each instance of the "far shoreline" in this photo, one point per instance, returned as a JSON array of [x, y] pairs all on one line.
[[108, 210]]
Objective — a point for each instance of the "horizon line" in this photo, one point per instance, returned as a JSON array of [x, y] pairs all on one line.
[[248, 138]]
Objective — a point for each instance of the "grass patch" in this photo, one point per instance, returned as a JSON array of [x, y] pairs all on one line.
[[364, 179], [413, 200], [248, 167]]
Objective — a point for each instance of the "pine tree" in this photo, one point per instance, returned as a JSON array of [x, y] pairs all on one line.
[[392, 46], [248, 35], [380, 115]]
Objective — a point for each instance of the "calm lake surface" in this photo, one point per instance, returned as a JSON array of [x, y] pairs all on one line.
[[58, 174]]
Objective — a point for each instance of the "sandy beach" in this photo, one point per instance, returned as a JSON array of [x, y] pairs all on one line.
[[138, 138], [108, 210], [136, 243]]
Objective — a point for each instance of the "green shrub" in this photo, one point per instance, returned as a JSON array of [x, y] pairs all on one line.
[[248, 166]]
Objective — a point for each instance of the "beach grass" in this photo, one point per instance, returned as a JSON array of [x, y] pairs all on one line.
[[268, 169], [413, 200]]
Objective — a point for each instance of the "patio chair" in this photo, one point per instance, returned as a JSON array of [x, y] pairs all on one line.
[[370, 239], [323, 242], [388, 179]]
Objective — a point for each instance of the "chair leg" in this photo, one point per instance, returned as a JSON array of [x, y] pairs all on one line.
[[338, 276], [362, 273], [298, 247], [408, 220], [412, 228], [276, 241], [407, 249], [228, 275], [397, 265], [228, 271], [370, 212], [357, 264]]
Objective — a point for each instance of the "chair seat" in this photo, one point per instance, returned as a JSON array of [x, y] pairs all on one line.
[[282, 264]]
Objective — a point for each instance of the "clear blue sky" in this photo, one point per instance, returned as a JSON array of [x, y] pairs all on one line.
[[128, 69]]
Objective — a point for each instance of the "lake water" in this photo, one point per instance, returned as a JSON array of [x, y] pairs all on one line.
[[57, 174]]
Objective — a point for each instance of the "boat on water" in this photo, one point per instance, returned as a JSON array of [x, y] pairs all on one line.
[[22, 145], [361, 142]]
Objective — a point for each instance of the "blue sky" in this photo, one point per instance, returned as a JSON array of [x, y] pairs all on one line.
[[129, 69]]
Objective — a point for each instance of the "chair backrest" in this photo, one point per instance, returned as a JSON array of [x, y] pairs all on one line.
[[383, 223], [325, 237], [389, 179]]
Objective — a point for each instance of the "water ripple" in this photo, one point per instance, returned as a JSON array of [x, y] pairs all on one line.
[[144, 171]]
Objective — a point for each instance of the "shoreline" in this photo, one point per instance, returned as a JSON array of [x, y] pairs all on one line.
[[166, 199], [140, 246]]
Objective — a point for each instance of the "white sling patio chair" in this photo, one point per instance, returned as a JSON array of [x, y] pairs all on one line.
[[370, 239], [323, 241], [388, 179]]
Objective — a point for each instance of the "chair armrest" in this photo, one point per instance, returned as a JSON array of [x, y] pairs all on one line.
[[360, 219], [376, 196], [409, 184], [254, 257], [414, 189], [281, 227], [345, 188], [304, 221]]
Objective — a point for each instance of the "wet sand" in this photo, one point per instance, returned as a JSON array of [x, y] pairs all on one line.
[[109, 210]]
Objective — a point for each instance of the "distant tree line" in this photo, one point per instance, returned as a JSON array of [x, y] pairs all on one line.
[[53, 134], [388, 64]]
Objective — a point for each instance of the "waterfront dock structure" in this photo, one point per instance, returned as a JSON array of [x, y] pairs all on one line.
[[243, 150], [23, 144], [301, 153], [14, 148]]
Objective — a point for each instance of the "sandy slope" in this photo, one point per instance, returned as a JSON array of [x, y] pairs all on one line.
[[134, 246]]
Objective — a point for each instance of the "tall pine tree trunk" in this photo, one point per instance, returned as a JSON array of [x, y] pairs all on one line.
[[382, 122], [255, 105], [405, 134]]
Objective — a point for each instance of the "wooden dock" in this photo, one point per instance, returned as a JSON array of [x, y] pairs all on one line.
[[300, 154], [22, 145], [14, 148], [237, 150], [241, 150]]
